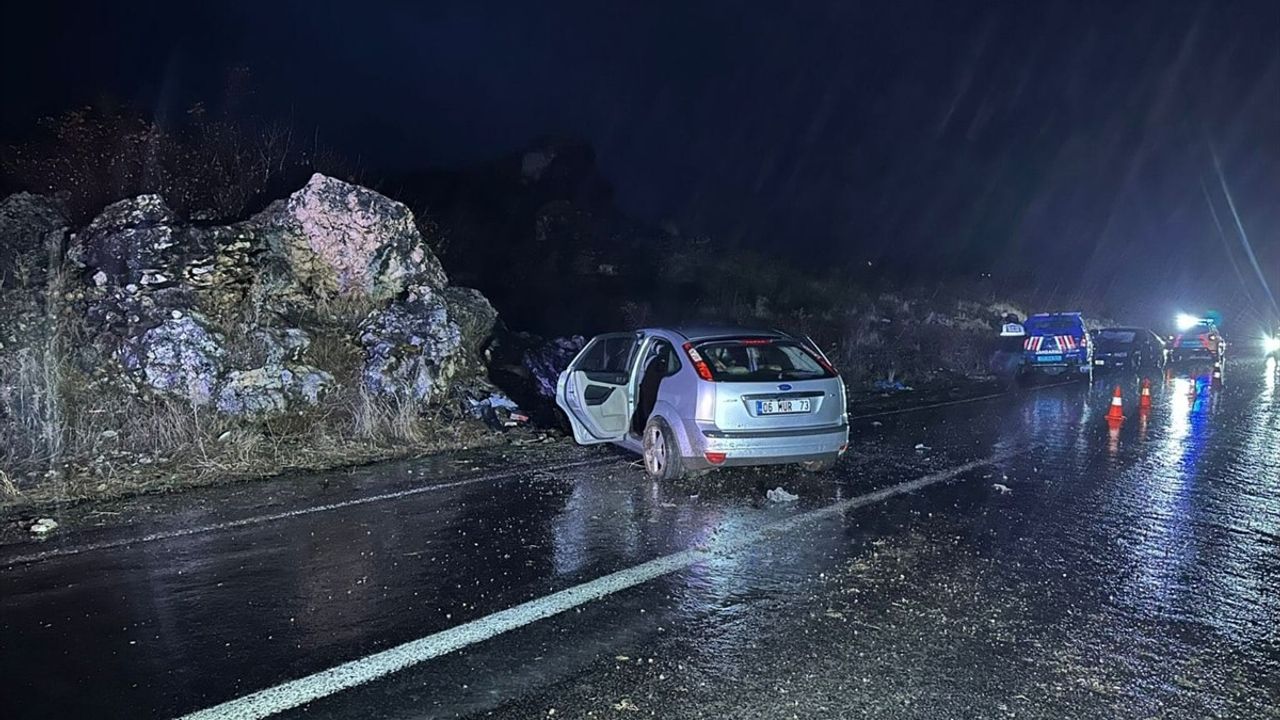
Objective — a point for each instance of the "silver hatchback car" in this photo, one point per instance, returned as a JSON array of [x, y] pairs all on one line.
[[692, 399]]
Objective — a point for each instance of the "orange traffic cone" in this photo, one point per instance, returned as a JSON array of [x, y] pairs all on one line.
[[1116, 413], [1144, 401]]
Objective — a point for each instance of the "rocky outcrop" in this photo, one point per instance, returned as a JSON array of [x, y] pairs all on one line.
[[225, 316], [33, 228]]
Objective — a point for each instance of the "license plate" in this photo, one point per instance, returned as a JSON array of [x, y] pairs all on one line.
[[1048, 358], [782, 407]]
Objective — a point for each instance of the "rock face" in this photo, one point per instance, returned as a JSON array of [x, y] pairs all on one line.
[[29, 225], [230, 316], [342, 240]]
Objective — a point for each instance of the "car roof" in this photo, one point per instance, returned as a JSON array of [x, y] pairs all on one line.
[[695, 333], [1123, 328], [1055, 314]]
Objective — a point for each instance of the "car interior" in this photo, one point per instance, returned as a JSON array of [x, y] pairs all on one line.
[[660, 362]]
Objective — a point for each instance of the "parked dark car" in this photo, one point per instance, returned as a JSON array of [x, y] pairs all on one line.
[[1128, 348]]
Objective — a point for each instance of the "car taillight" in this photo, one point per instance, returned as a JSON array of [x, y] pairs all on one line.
[[715, 458], [826, 364], [699, 365]]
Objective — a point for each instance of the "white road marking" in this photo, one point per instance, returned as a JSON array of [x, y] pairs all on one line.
[[214, 527], [296, 693]]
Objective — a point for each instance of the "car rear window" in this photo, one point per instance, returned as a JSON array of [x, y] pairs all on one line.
[[1116, 337], [1196, 336], [1053, 326], [761, 360]]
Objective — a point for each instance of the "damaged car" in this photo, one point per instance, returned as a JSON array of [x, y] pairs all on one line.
[[693, 399]]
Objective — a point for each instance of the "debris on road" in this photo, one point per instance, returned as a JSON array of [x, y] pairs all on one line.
[[876, 423], [44, 526], [1004, 489], [779, 495], [921, 447], [498, 411]]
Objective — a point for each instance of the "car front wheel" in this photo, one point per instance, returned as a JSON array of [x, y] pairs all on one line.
[[662, 459]]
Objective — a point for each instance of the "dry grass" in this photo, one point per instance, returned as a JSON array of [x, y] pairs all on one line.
[[8, 491]]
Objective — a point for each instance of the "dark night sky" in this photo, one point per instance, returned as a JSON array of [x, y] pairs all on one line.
[[1068, 138]]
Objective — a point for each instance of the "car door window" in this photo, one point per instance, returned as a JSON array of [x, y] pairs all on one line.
[[664, 354], [608, 359]]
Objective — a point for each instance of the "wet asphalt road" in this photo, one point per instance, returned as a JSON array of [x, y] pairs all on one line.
[[1078, 574]]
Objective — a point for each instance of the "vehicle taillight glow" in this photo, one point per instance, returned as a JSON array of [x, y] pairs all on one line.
[[715, 458], [755, 341], [699, 365]]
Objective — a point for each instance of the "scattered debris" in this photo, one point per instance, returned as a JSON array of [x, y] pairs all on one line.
[[1004, 489], [44, 526], [625, 704], [779, 495], [876, 423], [921, 447], [498, 411]]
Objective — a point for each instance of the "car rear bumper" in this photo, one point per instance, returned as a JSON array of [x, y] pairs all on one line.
[[1112, 363], [1055, 368], [767, 447]]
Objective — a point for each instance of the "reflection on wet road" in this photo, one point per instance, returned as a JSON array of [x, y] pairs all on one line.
[[1085, 574]]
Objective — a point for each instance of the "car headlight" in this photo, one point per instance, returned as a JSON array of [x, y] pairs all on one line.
[[1271, 343]]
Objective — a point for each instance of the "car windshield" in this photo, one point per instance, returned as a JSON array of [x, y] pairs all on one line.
[[761, 360], [1116, 337]]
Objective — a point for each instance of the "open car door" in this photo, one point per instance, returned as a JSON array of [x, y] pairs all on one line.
[[595, 392]]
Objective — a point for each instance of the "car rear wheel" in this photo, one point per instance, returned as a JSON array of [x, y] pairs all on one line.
[[662, 459]]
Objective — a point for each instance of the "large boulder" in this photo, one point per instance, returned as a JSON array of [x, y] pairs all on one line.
[[475, 316], [180, 357], [126, 239], [545, 362], [32, 230], [411, 348], [343, 240]]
